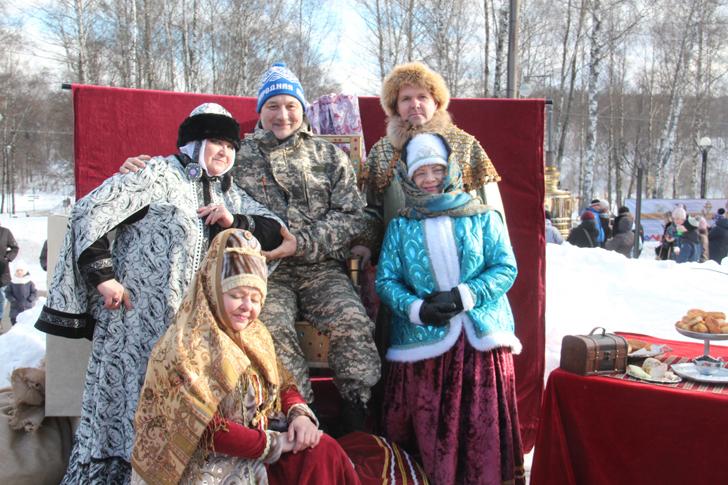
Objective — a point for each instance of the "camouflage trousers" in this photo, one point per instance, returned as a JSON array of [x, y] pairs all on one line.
[[322, 295]]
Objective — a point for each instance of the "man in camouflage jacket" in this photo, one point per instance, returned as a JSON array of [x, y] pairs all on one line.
[[310, 184]]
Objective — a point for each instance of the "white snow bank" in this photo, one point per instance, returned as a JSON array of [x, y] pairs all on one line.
[[22, 345], [587, 288]]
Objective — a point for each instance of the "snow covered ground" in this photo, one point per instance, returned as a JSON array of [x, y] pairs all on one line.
[[23, 345], [585, 288]]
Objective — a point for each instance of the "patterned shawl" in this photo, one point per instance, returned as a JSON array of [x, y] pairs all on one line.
[[452, 201], [193, 367]]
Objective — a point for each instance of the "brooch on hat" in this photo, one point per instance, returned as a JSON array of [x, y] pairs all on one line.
[[193, 171], [248, 235]]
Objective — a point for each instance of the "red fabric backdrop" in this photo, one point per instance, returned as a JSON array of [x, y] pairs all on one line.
[[112, 124]]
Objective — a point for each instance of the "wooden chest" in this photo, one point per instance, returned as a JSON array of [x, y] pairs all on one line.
[[594, 354]]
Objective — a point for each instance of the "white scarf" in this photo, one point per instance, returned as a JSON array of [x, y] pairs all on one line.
[[189, 150]]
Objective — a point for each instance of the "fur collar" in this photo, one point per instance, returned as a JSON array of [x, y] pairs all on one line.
[[399, 130]]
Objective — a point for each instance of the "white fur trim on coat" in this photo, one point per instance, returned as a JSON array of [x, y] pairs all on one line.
[[466, 296], [431, 350], [414, 312], [443, 254]]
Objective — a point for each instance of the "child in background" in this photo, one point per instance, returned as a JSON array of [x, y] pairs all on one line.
[[21, 292], [690, 249], [445, 267]]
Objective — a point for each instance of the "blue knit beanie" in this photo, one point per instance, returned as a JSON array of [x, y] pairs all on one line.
[[279, 80]]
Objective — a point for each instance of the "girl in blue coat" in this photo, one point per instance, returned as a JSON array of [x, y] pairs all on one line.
[[445, 267]]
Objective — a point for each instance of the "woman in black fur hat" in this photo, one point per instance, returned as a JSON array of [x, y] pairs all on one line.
[[123, 295]]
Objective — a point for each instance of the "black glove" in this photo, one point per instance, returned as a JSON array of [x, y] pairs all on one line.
[[437, 314], [452, 296]]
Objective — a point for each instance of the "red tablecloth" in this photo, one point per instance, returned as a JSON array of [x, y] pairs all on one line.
[[599, 430]]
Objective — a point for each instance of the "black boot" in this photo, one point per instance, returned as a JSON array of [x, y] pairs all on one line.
[[352, 416]]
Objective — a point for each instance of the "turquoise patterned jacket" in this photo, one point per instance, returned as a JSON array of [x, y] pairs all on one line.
[[436, 254]]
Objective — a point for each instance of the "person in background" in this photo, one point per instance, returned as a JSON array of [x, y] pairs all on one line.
[[704, 241], [21, 292], [673, 233], [664, 250], [43, 259], [553, 235], [718, 239], [621, 212], [444, 270], [720, 214], [585, 234], [624, 212], [605, 219], [690, 249], [595, 207], [10, 251], [623, 241]]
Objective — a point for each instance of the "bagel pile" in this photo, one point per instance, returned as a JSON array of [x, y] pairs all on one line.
[[703, 322]]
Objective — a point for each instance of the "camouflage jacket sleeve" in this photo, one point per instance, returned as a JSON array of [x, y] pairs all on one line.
[[373, 232], [329, 236]]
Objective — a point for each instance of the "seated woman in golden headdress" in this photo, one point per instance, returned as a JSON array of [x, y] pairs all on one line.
[[217, 406]]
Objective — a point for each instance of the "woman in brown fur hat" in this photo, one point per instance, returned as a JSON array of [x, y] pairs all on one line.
[[415, 99]]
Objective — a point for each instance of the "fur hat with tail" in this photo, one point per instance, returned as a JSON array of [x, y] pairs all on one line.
[[413, 74]]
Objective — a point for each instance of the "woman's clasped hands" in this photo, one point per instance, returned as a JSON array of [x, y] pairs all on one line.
[[301, 434]]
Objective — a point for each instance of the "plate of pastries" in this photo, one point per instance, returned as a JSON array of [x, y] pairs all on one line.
[[640, 349], [703, 325]]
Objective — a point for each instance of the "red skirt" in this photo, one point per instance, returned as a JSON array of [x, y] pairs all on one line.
[[327, 463], [459, 409]]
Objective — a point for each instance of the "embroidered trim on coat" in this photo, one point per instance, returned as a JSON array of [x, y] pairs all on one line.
[[95, 266]]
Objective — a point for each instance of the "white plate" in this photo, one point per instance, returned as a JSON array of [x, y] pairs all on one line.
[[702, 336], [657, 381], [689, 371], [653, 352]]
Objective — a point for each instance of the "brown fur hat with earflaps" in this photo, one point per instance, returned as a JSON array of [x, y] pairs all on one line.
[[413, 74]]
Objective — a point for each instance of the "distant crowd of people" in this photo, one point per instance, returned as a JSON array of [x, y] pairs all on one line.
[[685, 238]]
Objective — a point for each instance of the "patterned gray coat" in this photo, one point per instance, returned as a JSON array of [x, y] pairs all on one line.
[[155, 258]]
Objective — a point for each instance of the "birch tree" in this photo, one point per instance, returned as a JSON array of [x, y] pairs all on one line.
[[395, 33], [570, 54], [71, 25], [595, 54], [310, 51], [451, 29], [500, 47], [686, 36]]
